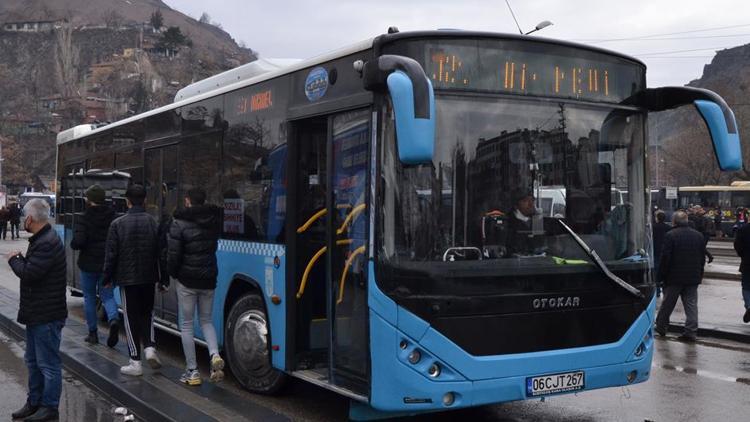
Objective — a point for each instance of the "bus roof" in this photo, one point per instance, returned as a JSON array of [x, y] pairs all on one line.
[[377, 42]]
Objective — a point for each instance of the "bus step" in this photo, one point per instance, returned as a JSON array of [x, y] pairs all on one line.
[[319, 377]]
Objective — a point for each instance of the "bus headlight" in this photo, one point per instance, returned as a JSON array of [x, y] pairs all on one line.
[[434, 370], [639, 351], [414, 356]]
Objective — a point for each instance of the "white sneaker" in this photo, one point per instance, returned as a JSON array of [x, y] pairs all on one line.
[[151, 357], [217, 364], [134, 369]]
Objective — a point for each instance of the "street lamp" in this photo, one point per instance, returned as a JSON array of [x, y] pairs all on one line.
[[540, 25]]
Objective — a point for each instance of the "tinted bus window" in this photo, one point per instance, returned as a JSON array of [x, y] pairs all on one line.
[[254, 159], [162, 125]]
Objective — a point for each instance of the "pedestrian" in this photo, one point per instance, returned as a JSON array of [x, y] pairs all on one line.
[[90, 237], [659, 230], [14, 217], [681, 270], [718, 217], [131, 261], [42, 274], [191, 259], [742, 247], [4, 217]]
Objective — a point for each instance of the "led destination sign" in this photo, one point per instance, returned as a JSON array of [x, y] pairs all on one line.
[[527, 68]]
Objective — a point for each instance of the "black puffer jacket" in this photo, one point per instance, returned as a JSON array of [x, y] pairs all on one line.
[[683, 256], [132, 251], [90, 237], [43, 282], [192, 243]]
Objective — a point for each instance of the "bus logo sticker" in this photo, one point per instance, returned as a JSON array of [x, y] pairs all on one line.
[[316, 84]]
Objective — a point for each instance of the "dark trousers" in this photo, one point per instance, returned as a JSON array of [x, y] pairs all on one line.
[[44, 364], [3, 229], [689, 296], [14, 233], [138, 309]]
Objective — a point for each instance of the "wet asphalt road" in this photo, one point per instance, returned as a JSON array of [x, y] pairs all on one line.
[[77, 403], [707, 381]]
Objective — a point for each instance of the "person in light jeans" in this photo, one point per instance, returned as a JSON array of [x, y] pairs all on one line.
[[191, 259]]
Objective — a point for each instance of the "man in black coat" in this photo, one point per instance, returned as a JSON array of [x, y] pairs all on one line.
[[90, 237], [660, 229], [681, 270], [43, 310], [14, 216], [742, 247], [191, 259], [131, 262]]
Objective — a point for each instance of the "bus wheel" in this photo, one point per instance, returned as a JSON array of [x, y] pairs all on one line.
[[247, 348]]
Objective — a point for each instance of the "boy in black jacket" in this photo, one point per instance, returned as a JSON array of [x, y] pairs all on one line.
[[90, 237]]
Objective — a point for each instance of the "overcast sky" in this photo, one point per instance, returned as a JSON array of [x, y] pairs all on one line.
[[690, 31]]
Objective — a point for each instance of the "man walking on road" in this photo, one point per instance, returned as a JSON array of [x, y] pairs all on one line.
[[14, 216], [191, 259], [132, 262], [681, 270], [4, 217], [742, 247], [89, 237], [43, 310], [660, 229]]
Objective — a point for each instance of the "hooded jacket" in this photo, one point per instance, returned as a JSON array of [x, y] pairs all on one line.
[[191, 246], [90, 237]]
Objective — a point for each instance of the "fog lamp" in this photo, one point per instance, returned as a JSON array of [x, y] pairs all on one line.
[[449, 399], [632, 375]]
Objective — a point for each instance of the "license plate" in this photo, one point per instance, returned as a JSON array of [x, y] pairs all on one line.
[[556, 383]]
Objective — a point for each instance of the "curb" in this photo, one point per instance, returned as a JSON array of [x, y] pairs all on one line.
[[713, 332], [152, 397], [722, 276]]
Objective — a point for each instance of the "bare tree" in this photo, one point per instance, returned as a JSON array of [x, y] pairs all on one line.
[[157, 19], [113, 19], [67, 60]]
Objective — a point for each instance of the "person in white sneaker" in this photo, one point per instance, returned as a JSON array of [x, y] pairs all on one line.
[[191, 259], [131, 262]]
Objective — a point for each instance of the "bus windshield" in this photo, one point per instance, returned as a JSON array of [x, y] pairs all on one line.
[[503, 172]]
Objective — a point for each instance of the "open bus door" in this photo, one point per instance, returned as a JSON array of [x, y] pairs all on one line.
[[329, 271]]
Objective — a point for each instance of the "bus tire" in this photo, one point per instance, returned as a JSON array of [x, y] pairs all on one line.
[[247, 349]]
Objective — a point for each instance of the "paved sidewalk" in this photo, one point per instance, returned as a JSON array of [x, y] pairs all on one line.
[[720, 310]]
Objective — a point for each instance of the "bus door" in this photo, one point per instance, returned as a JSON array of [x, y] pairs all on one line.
[[73, 206], [161, 167], [330, 248]]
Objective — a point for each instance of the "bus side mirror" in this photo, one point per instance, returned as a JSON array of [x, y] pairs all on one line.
[[719, 118], [413, 104], [726, 141]]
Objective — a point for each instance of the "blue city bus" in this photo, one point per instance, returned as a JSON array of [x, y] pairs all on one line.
[[370, 241]]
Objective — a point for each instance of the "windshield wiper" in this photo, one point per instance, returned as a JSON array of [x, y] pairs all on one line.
[[599, 263]]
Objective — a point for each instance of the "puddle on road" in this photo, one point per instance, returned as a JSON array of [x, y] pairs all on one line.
[[78, 402], [701, 373]]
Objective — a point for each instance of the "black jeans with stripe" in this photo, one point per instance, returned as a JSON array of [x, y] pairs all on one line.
[[138, 311]]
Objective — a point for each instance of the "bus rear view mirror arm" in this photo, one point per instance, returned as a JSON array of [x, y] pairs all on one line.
[[714, 110], [413, 104]]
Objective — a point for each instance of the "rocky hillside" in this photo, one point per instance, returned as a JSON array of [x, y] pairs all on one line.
[[686, 154], [67, 62]]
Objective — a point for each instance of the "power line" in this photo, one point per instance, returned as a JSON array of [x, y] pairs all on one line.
[[689, 38], [595, 40], [681, 51]]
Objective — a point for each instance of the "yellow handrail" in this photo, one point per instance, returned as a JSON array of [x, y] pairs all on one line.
[[311, 220], [312, 262], [318, 215], [349, 218], [359, 250]]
